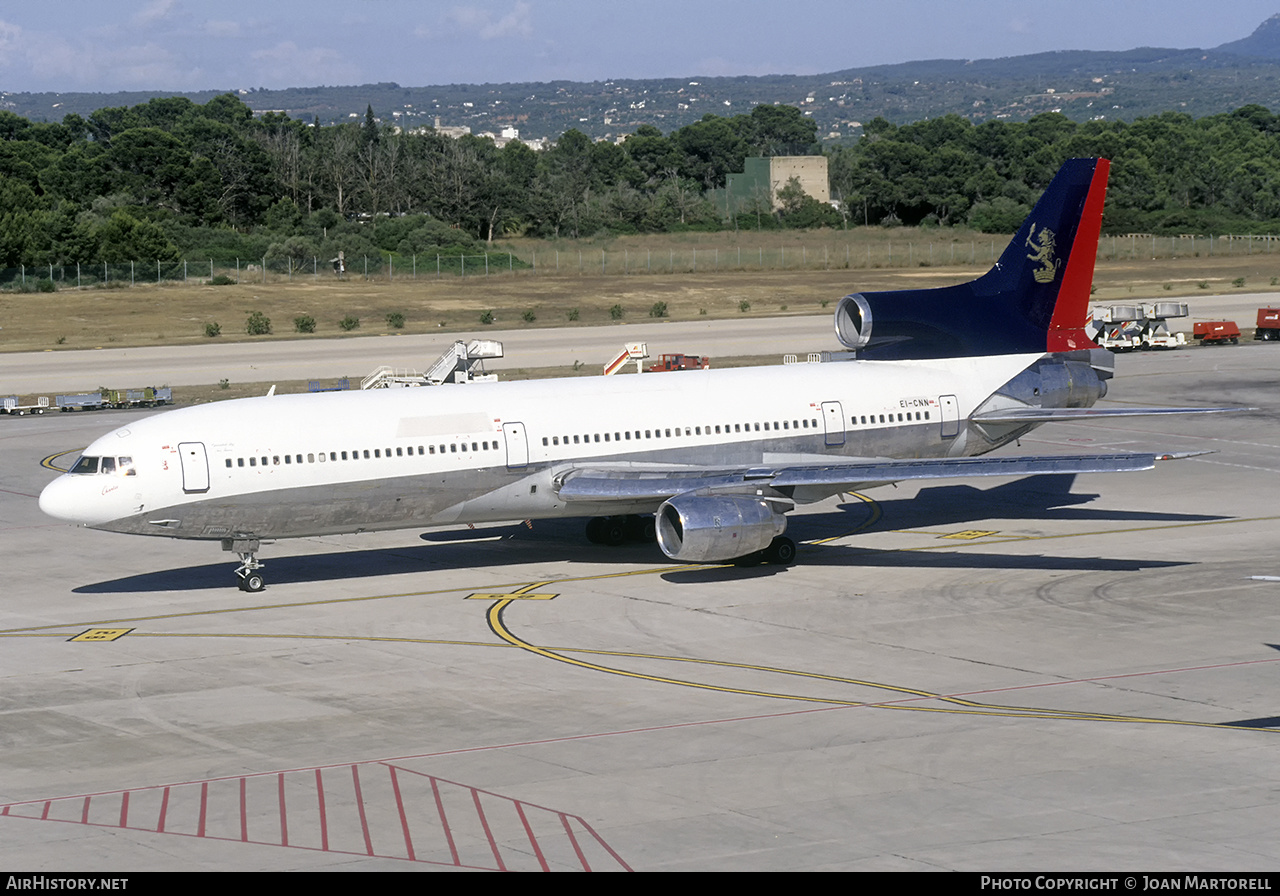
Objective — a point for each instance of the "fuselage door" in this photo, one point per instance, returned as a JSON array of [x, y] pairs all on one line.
[[517, 446], [950, 409], [833, 423], [195, 467]]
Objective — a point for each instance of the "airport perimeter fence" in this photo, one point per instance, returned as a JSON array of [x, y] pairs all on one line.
[[875, 253]]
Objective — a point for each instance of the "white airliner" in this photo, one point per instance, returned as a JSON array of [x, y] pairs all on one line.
[[709, 461]]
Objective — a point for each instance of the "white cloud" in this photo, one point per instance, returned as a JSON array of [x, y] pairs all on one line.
[[10, 43], [481, 22], [213, 28], [155, 11], [287, 65]]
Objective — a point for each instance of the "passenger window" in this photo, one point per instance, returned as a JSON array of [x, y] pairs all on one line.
[[228, 463]]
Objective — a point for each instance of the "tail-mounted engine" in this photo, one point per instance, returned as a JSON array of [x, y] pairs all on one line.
[[853, 321]]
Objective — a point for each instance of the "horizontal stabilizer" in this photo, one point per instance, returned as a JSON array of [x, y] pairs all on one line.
[[1051, 415]]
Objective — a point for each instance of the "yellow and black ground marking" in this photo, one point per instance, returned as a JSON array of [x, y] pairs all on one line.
[[501, 598], [52, 461], [101, 634]]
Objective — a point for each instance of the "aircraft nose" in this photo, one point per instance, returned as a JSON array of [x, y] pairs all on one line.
[[60, 500]]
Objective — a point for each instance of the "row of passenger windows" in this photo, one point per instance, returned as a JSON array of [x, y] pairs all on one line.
[[625, 436], [359, 454], [902, 418], [678, 431]]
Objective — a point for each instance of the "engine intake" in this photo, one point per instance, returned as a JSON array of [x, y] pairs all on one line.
[[710, 528], [853, 321]]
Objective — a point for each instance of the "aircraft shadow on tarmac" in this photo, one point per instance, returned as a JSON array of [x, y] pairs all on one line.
[[1047, 498]]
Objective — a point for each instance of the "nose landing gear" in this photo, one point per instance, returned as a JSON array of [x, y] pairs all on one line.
[[251, 579]]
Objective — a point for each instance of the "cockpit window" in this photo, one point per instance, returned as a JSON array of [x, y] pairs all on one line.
[[119, 466], [86, 464]]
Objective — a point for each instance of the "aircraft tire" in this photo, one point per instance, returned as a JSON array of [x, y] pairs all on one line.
[[253, 582], [615, 530], [781, 551]]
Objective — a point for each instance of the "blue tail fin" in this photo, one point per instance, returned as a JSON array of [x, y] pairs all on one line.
[[1035, 299]]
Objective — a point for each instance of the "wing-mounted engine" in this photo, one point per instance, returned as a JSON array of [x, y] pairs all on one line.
[[701, 528]]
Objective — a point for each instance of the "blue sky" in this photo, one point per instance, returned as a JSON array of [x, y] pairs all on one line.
[[78, 45]]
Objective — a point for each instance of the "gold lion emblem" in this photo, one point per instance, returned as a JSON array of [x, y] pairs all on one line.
[[1041, 245]]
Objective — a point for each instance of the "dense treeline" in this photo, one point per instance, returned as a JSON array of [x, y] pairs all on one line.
[[1170, 173], [171, 178]]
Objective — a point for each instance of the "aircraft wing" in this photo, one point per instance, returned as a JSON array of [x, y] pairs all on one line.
[[605, 483]]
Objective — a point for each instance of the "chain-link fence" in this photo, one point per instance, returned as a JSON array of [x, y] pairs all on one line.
[[874, 253]]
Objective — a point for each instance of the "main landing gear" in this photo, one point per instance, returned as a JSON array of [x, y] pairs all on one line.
[[616, 530], [249, 570], [780, 552]]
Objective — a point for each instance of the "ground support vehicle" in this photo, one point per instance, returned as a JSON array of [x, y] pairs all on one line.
[[15, 406], [1217, 332], [1268, 325], [680, 362], [1123, 328], [148, 397], [85, 401]]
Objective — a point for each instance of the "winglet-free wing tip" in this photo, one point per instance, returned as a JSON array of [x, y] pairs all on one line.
[[1183, 455]]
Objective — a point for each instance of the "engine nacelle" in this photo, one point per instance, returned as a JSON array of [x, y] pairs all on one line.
[[853, 321], [711, 528]]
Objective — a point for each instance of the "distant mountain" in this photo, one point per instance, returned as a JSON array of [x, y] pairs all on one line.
[[1081, 84], [1264, 42]]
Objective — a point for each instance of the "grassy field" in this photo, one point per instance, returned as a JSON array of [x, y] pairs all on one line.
[[177, 313]]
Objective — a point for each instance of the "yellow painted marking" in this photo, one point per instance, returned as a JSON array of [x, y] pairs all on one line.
[[50, 462], [503, 599], [527, 596], [102, 634], [970, 534], [870, 521]]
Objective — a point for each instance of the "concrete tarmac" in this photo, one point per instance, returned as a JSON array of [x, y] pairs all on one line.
[[1058, 673]]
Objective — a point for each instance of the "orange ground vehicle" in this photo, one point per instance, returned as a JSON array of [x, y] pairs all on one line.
[[680, 362], [1211, 332]]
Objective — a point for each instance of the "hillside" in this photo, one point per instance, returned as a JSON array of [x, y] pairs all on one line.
[[1081, 84]]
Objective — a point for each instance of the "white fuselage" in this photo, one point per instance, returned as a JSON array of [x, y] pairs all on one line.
[[315, 464]]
